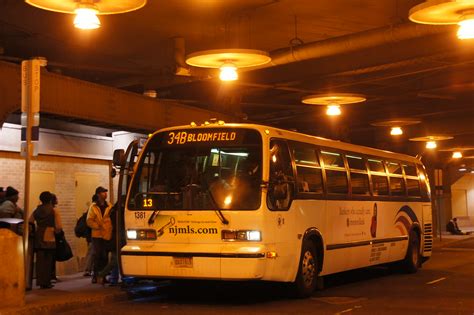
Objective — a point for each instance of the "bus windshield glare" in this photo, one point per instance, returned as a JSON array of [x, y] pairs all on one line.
[[199, 169]]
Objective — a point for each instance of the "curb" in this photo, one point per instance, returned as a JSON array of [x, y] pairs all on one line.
[[68, 305]]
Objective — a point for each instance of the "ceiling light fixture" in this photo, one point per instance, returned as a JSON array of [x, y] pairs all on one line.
[[396, 131], [396, 124], [228, 72], [333, 110], [333, 101], [431, 140], [459, 12], [457, 155], [87, 10], [228, 60], [431, 145], [86, 17]]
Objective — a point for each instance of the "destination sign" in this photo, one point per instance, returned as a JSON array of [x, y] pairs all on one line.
[[195, 136]]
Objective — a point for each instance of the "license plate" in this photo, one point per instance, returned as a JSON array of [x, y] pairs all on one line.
[[182, 262]]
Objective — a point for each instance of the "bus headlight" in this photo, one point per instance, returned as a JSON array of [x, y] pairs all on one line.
[[241, 235], [132, 234]]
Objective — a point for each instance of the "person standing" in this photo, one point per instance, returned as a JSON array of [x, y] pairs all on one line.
[[111, 248], [98, 219], [48, 222], [90, 257], [9, 207]]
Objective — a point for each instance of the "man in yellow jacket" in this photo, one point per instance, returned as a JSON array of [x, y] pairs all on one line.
[[98, 219]]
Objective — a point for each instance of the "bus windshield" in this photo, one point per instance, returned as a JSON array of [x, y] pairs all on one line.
[[199, 169]]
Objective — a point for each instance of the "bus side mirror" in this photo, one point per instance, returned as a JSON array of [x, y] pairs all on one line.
[[119, 158], [280, 191]]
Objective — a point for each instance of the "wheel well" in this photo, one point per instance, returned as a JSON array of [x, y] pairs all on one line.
[[318, 243], [416, 228]]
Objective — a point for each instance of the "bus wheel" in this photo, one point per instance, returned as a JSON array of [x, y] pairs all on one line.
[[412, 260], [307, 277]]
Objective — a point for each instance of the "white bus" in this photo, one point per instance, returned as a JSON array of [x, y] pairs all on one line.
[[249, 202]]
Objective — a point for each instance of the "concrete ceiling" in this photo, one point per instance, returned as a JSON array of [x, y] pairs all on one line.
[[357, 46]]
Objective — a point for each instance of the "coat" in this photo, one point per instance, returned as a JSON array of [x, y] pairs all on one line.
[[48, 223], [101, 225]]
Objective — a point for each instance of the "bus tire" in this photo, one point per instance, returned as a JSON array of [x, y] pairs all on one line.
[[412, 260], [307, 277]]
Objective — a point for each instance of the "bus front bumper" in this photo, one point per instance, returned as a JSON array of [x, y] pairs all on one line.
[[192, 261]]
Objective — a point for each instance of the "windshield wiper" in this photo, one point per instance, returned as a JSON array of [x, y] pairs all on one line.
[[220, 215], [153, 216]]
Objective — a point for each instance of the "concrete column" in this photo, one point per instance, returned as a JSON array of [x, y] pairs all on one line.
[[12, 273]]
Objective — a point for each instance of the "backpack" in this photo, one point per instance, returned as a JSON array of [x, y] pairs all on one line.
[[81, 229]]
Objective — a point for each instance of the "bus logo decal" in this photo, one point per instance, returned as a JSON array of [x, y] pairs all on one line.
[[403, 215]]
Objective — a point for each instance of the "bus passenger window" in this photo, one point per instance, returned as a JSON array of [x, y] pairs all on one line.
[[410, 169], [376, 166], [359, 176], [332, 159], [394, 168], [413, 187], [308, 171], [380, 185], [397, 187], [424, 182], [336, 182], [359, 183]]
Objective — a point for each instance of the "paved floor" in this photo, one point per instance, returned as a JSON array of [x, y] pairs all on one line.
[[442, 286]]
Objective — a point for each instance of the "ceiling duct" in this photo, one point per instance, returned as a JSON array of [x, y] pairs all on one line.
[[352, 42]]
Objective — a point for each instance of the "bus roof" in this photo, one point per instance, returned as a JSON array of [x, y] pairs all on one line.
[[297, 136]]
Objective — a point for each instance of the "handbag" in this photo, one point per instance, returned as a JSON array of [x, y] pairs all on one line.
[[63, 249]]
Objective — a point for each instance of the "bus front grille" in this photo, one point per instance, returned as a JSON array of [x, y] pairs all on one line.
[[428, 237]]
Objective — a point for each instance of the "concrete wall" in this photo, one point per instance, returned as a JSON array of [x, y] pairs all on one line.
[[12, 168], [63, 156], [463, 198]]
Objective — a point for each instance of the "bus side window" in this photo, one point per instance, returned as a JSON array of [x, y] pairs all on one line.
[[397, 185], [336, 174], [281, 184], [358, 173], [424, 182], [413, 183], [378, 177], [309, 177]]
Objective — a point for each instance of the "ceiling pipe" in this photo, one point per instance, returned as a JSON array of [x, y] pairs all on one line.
[[353, 42]]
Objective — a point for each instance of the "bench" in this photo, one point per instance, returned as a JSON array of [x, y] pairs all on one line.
[[465, 224]]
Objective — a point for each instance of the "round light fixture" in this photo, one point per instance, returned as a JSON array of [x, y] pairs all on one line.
[[396, 124], [87, 10], [333, 101], [459, 12], [457, 155], [431, 145], [228, 72], [228, 60], [333, 110], [396, 131], [86, 18], [431, 140]]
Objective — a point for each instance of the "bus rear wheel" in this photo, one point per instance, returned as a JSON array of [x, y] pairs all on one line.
[[307, 277], [412, 260]]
